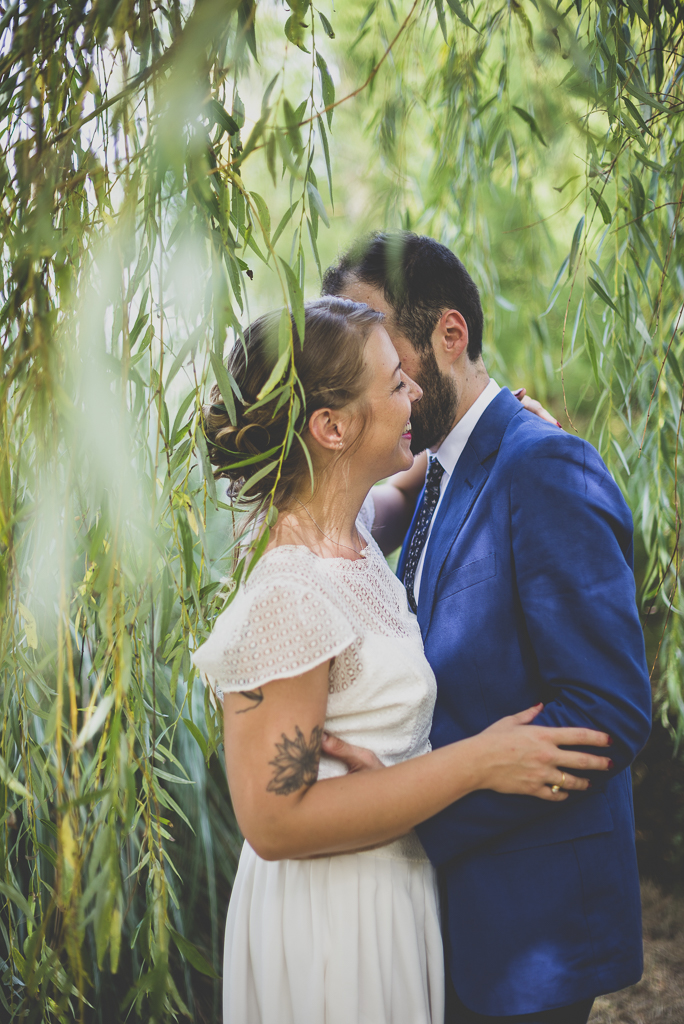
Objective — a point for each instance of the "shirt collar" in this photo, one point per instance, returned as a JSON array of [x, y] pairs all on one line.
[[453, 444]]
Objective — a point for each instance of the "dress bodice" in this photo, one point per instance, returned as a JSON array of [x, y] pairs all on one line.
[[298, 610]]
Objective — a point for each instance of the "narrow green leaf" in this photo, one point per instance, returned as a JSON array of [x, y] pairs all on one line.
[[635, 6], [254, 137], [196, 733], [264, 214], [327, 27], [259, 475], [224, 386], [644, 97], [602, 206], [327, 85], [439, 7], [636, 115], [276, 374], [293, 129], [285, 219], [674, 365], [184, 406], [591, 349], [457, 8], [528, 119], [308, 461], [296, 299], [95, 722], [192, 954], [186, 541], [207, 471], [258, 549], [326, 153], [13, 894], [221, 117], [574, 248], [602, 293], [315, 199], [9, 780], [648, 242]]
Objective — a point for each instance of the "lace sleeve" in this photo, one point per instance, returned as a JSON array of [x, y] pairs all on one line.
[[276, 630], [367, 514]]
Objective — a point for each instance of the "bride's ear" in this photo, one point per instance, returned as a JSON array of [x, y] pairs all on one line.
[[327, 427]]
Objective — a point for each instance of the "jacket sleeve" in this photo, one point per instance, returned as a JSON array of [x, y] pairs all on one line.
[[572, 554]]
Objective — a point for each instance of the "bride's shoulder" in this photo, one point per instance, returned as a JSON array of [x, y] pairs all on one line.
[[283, 621], [283, 576]]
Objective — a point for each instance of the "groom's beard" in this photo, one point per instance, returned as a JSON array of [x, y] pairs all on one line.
[[433, 416]]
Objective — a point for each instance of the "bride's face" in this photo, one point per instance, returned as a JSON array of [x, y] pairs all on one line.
[[385, 444]]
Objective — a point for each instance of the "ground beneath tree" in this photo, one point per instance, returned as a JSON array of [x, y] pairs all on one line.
[[659, 996]]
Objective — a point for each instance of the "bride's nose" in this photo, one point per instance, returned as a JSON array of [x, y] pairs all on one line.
[[415, 391]]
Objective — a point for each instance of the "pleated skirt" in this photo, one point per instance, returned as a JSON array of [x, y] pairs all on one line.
[[350, 939]]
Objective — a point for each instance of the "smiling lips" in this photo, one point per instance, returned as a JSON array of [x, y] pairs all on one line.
[[407, 430]]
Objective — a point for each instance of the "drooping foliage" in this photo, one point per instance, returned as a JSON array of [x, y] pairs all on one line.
[[167, 169]]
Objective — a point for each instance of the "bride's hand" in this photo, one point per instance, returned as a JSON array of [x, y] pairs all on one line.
[[532, 405], [514, 756]]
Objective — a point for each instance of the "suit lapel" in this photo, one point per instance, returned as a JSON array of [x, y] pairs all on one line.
[[466, 482], [469, 477]]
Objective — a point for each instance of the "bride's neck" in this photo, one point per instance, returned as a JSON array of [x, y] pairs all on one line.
[[325, 518]]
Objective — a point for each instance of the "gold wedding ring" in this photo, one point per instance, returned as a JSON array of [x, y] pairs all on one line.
[[557, 789]]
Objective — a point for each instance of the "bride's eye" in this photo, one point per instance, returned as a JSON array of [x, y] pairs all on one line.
[[400, 386]]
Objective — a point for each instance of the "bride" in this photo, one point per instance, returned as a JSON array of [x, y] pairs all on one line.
[[334, 913]]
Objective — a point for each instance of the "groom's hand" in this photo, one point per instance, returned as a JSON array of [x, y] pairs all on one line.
[[357, 759]]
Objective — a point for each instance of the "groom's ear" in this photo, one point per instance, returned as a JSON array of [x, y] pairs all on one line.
[[451, 334]]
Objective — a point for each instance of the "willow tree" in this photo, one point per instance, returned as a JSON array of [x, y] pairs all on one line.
[[147, 190]]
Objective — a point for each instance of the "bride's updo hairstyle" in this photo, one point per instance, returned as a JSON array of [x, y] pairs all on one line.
[[331, 371]]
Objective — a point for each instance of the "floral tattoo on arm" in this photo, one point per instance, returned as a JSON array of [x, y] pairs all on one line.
[[296, 763]]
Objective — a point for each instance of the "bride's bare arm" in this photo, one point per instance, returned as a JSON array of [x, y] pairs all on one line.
[[273, 745]]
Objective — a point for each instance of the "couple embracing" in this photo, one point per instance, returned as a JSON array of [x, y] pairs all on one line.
[[431, 770]]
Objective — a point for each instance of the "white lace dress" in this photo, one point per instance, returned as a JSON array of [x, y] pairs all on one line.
[[353, 938]]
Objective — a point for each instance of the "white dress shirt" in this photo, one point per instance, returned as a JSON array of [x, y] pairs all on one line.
[[448, 454]]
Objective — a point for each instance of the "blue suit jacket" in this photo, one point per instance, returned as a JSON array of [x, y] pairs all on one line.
[[527, 594]]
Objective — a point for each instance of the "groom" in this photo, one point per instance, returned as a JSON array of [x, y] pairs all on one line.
[[518, 560]]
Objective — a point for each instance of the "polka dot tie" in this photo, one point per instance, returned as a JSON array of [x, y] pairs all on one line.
[[417, 543]]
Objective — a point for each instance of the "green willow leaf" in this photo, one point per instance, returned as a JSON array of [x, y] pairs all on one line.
[[317, 202], [296, 298], [574, 248], [259, 475], [192, 954], [223, 379], [457, 8], [602, 206], [602, 294], [327, 86], [327, 27], [221, 117], [528, 119]]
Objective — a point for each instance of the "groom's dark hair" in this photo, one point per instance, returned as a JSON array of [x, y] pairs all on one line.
[[419, 277]]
